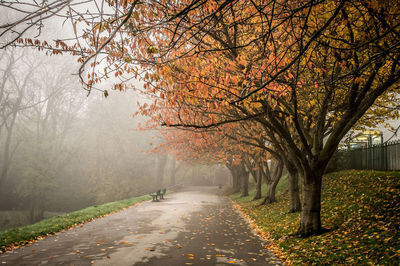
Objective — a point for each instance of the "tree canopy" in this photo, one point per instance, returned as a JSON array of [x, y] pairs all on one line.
[[287, 77]]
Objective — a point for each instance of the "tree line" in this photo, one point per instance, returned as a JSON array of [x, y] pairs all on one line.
[[243, 83], [61, 151]]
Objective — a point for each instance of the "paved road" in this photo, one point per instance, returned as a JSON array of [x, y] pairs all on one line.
[[192, 227]]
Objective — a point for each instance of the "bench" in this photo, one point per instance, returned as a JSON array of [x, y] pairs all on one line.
[[159, 194], [163, 191]]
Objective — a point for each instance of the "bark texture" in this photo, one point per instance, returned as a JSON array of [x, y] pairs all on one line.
[[272, 180], [294, 198], [310, 218], [258, 184], [236, 177], [245, 182]]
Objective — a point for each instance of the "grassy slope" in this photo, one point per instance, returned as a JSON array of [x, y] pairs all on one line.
[[24, 235], [361, 207]]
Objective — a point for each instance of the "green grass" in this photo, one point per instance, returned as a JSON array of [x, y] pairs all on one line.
[[361, 207], [280, 188], [24, 235]]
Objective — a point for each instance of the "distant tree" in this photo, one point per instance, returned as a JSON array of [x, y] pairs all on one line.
[[174, 169], [13, 94], [44, 128], [306, 71], [162, 160]]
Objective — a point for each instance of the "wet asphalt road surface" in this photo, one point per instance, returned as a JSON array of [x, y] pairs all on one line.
[[195, 226]]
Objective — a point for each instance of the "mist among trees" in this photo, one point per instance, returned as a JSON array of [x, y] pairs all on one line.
[[239, 83], [63, 151]]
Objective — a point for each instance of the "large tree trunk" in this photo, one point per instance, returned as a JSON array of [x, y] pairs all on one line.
[[271, 192], [235, 186], [270, 197], [294, 198], [258, 184], [256, 174], [235, 177], [243, 176], [240, 178], [272, 182], [310, 220], [236, 182], [245, 182]]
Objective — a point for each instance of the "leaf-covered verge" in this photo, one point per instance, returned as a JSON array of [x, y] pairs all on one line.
[[361, 209], [25, 235]]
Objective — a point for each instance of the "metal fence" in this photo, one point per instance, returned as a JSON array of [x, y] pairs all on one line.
[[385, 157]]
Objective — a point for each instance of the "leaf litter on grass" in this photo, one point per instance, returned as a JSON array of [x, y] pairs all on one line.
[[362, 209]]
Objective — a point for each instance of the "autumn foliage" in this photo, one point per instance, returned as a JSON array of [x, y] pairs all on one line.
[[243, 78]]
